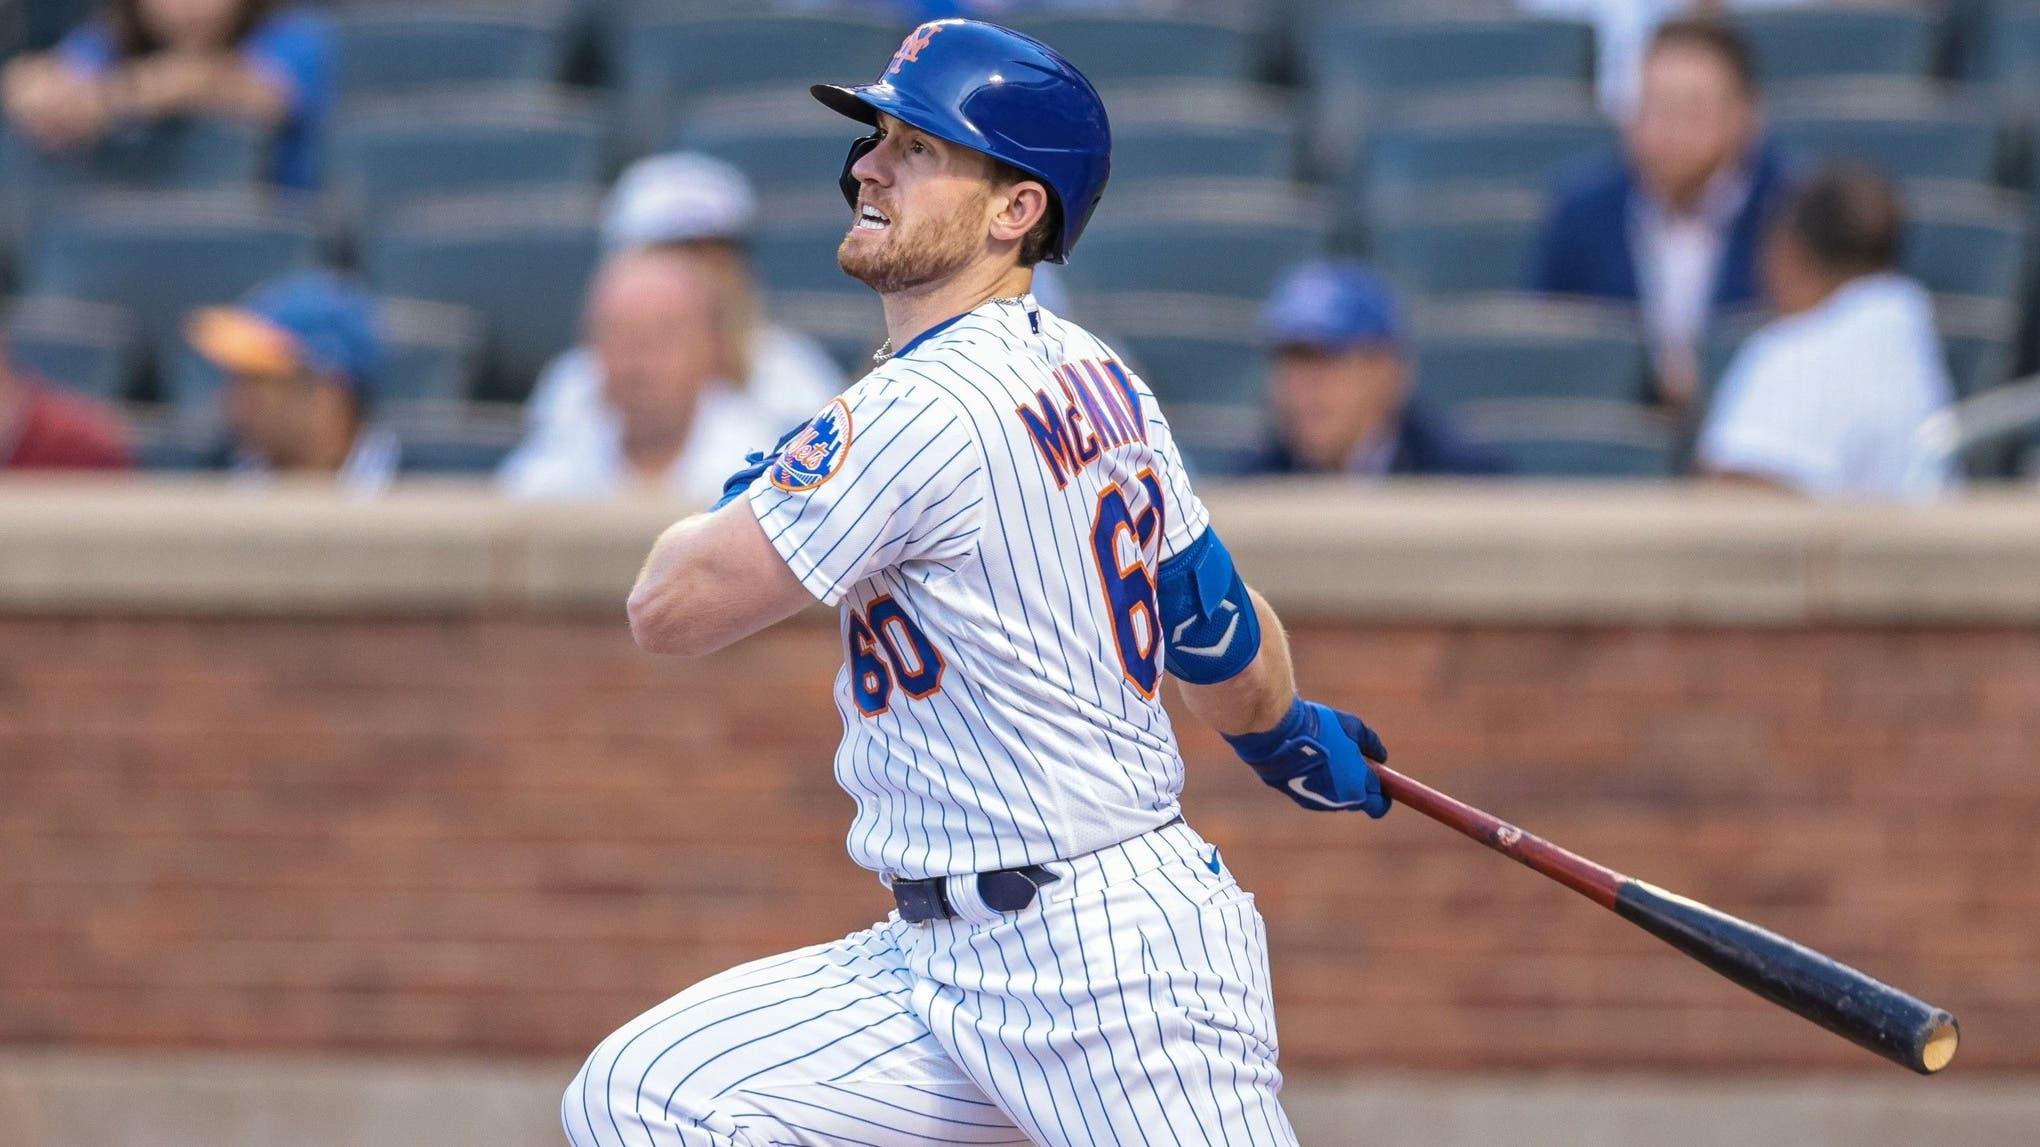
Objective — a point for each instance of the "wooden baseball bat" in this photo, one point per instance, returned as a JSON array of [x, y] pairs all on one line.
[[1901, 1028]]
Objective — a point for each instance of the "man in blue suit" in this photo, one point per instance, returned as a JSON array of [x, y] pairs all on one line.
[[1674, 223]]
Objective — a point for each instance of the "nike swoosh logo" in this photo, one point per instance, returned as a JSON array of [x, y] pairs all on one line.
[[1211, 862], [1296, 786], [1216, 648]]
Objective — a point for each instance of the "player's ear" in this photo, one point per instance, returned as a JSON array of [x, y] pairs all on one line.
[[1016, 208]]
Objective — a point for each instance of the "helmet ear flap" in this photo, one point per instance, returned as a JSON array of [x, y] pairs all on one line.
[[847, 181]]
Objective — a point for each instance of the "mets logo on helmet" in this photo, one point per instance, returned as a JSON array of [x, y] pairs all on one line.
[[910, 48], [816, 453]]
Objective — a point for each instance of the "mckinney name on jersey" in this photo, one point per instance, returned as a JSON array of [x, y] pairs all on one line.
[[989, 507]]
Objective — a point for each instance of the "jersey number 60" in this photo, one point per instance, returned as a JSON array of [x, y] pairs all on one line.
[[886, 647], [1128, 549]]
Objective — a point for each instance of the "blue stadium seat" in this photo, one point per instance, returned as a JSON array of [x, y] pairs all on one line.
[[85, 347], [1221, 237], [779, 137], [1190, 348], [1527, 142], [1842, 40], [168, 155], [1486, 348], [520, 260], [669, 57], [1457, 240], [160, 255], [469, 439], [398, 47], [1904, 129], [392, 150], [1112, 48], [1403, 52], [1965, 239], [1575, 438], [1202, 131], [793, 247]]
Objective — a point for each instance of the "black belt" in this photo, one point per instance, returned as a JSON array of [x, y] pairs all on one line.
[[1002, 889]]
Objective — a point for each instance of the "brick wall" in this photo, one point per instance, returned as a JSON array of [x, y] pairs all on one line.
[[508, 836]]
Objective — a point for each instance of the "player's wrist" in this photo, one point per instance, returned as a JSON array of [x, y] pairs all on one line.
[[1256, 747]]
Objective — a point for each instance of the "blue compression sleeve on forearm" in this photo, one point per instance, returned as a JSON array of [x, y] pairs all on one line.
[[1209, 626]]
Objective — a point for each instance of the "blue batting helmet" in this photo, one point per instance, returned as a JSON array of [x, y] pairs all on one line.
[[993, 90]]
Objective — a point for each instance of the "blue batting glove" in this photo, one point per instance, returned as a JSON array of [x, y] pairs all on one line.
[[755, 463], [1318, 756]]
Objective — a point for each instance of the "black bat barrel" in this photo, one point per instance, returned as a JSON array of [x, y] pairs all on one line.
[[1879, 1017]]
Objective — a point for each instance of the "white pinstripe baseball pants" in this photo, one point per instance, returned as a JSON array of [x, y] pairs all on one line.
[[1129, 1005]]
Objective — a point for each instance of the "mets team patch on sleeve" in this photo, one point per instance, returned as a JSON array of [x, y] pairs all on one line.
[[816, 453]]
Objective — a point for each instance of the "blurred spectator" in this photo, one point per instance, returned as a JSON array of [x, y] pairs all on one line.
[[1828, 399], [681, 374], [1675, 223], [1341, 383], [300, 355], [145, 60], [43, 428]]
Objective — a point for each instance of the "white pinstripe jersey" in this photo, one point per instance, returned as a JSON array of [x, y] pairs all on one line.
[[989, 507]]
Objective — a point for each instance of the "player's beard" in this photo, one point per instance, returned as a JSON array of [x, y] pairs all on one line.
[[906, 257]]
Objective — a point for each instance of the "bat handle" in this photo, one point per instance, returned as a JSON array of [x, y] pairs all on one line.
[[1598, 883]]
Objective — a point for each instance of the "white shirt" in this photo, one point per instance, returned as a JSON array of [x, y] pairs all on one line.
[[1678, 260], [1830, 401], [573, 446], [989, 508]]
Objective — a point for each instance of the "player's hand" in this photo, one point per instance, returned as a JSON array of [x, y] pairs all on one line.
[[755, 463], [1318, 756]]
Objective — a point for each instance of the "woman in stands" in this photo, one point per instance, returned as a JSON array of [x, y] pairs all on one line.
[[147, 60]]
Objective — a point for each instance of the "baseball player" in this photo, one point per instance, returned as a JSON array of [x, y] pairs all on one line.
[[1004, 520]]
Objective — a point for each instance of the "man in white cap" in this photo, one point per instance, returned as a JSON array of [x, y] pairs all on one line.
[[679, 373]]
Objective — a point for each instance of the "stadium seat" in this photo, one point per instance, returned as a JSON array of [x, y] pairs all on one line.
[[1190, 348], [1222, 237], [160, 255], [398, 47], [779, 137], [1965, 240], [1529, 143], [169, 155], [672, 56], [169, 440], [1113, 48], [1863, 39], [793, 247], [1458, 240], [430, 351], [85, 347], [1202, 131], [453, 438], [520, 260], [1977, 336], [1486, 348], [1575, 438], [1904, 129], [395, 149], [1403, 52]]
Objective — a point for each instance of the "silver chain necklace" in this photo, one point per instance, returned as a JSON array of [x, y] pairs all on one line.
[[885, 351]]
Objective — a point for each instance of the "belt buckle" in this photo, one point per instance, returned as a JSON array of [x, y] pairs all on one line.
[[920, 901], [1011, 889]]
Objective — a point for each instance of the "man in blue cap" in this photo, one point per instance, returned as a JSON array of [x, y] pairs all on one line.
[[300, 355], [1340, 383]]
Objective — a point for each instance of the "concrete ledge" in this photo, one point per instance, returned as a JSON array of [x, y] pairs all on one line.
[[253, 1101], [1419, 552]]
